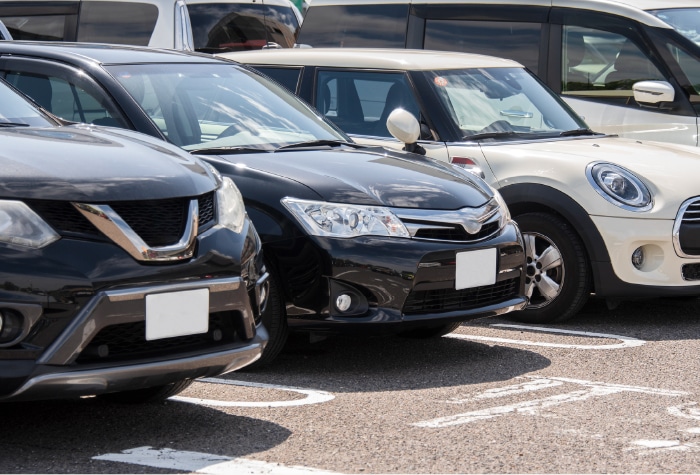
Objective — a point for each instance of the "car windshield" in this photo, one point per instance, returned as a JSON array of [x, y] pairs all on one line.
[[15, 110], [508, 103], [209, 106], [685, 21]]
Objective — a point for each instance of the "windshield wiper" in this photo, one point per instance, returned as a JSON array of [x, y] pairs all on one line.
[[13, 124], [490, 135], [318, 143], [575, 132], [225, 150]]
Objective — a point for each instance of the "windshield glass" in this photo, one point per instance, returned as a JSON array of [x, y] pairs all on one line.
[[685, 21], [16, 110], [508, 102], [220, 105]]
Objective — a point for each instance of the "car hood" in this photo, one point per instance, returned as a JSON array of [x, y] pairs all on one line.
[[372, 176], [97, 164], [670, 171]]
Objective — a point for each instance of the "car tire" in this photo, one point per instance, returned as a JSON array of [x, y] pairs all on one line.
[[558, 276], [146, 395], [431, 331], [274, 318]]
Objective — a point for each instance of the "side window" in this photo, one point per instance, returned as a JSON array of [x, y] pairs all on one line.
[[66, 100], [117, 22], [376, 26], [513, 40], [39, 27], [603, 64], [288, 77], [359, 102]]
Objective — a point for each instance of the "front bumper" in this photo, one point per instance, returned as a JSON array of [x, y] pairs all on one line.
[[664, 272], [404, 282]]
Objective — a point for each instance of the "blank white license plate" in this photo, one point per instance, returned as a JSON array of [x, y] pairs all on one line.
[[177, 314], [475, 268]]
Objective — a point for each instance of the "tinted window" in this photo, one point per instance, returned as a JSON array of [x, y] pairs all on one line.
[[604, 64], [15, 109], [518, 41], [360, 102], [379, 26], [221, 27], [117, 22], [67, 100], [39, 27], [288, 77]]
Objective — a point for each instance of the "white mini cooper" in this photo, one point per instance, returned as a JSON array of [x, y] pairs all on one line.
[[601, 215]]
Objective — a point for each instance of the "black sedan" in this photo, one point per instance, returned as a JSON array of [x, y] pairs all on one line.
[[129, 268], [353, 237]]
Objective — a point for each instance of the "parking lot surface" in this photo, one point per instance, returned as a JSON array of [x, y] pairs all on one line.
[[609, 391]]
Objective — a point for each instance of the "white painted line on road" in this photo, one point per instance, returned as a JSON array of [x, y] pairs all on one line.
[[534, 385], [626, 341], [689, 410], [662, 446], [692, 430], [197, 462], [312, 396], [533, 407]]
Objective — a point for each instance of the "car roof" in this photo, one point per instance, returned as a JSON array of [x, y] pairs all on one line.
[[375, 58], [102, 53], [633, 9]]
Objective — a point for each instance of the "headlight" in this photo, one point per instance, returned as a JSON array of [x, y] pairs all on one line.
[[320, 218], [22, 226], [619, 186], [231, 210]]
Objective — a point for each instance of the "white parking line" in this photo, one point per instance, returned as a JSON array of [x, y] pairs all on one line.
[[197, 462], [689, 410], [651, 446], [312, 396], [626, 341], [533, 407]]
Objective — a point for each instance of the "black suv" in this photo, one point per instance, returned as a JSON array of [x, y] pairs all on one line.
[[129, 267]]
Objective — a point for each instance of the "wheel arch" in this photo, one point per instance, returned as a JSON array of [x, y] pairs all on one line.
[[529, 198]]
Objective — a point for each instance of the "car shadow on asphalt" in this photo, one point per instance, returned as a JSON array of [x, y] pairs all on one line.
[[77, 430], [349, 363]]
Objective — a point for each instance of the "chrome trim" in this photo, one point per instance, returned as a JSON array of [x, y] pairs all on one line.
[[677, 227], [471, 219], [104, 218], [111, 307]]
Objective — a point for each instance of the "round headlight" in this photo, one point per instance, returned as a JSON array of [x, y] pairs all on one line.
[[619, 186]]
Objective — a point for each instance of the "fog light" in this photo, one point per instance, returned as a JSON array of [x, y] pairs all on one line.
[[343, 302], [11, 325], [638, 258]]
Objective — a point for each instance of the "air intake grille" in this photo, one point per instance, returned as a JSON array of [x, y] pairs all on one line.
[[157, 222], [127, 341], [447, 300], [457, 233]]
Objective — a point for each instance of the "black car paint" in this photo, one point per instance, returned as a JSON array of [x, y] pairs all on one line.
[[62, 280], [309, 264]]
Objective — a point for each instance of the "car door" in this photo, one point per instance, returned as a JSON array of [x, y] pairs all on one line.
[[601, 57]]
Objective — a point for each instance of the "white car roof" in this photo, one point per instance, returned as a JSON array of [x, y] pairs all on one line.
[[396, 59], [633, 9]]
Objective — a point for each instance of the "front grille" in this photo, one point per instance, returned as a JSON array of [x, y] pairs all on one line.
[[157, 222], [127, 341], [691, 272], [689, 228], [456, 233], [448, 300]]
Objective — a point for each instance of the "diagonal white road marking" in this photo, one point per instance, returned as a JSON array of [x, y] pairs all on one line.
[[198, 462], [626, 341]]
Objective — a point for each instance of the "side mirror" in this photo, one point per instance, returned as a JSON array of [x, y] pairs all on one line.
[[403, 126], [653, 92]]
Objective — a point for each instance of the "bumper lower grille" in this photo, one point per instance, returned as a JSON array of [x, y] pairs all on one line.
[[127, 341], [448, 300], [691, 272]]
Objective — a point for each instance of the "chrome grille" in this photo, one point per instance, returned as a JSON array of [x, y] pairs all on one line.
[[686, 229]]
